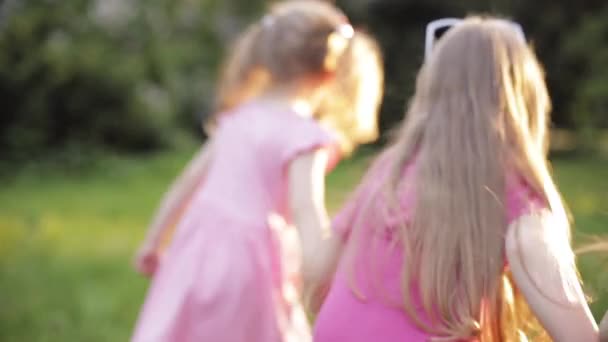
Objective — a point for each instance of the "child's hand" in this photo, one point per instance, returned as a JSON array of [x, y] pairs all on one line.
[[147, 260], [604, 329]]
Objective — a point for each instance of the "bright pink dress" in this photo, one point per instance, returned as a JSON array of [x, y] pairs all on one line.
[[375, 311], [224, 277]]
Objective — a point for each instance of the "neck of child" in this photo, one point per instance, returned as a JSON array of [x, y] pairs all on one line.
[[299, 100]]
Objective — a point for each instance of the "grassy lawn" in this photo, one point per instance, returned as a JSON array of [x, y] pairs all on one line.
[[66, 239]]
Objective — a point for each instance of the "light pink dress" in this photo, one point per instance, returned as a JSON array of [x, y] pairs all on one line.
[[375, 311], [224, 277]]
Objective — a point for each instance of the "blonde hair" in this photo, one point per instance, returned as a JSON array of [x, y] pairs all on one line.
[[480, 112], [353, 100], [290, 42]]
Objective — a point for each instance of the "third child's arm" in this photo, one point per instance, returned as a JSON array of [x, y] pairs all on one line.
[[320, 248], [542, 264], [604, 328]]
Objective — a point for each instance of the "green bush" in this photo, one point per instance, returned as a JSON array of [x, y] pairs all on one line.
[[586, 45], [63, 81], [108, 74]]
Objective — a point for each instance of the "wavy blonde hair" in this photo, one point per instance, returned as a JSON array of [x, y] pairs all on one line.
[[352, 102], [480, 112], [290, 42]]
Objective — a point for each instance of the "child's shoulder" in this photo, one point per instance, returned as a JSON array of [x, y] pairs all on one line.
[[301, 135], [280, 130]]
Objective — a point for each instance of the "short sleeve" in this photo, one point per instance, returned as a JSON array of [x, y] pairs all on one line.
[[521, 199], [305, 136]]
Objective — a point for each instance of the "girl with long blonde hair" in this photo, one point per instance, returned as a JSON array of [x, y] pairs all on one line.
[[226, 275], [458, 232]]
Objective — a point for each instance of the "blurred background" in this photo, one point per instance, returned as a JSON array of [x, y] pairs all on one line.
[[101, 104]]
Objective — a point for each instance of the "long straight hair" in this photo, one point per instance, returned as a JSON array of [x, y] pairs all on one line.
[[480, 112]]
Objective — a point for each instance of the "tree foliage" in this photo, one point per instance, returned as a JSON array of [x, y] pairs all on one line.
[[131, 75], [118, 74]]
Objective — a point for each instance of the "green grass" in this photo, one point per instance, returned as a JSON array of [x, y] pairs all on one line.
[[66, 239]]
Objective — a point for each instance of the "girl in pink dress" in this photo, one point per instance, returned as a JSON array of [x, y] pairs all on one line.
[[226, 275], [458, 232]]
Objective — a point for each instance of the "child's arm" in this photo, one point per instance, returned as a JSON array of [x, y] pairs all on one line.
[[320, 250], [542, 264], [604, 328], [171, 206]]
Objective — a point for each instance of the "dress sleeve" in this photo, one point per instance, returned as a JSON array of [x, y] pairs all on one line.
[[305, 136], [521, 199]]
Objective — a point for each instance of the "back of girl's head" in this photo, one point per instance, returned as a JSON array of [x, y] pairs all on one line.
[[480, 111], [289, 43], [483, 71], [352, 102]]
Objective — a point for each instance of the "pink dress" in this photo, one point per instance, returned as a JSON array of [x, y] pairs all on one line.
[[224, 278], [364, 305]]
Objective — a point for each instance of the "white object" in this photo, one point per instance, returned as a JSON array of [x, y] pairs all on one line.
[[438, 24]]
